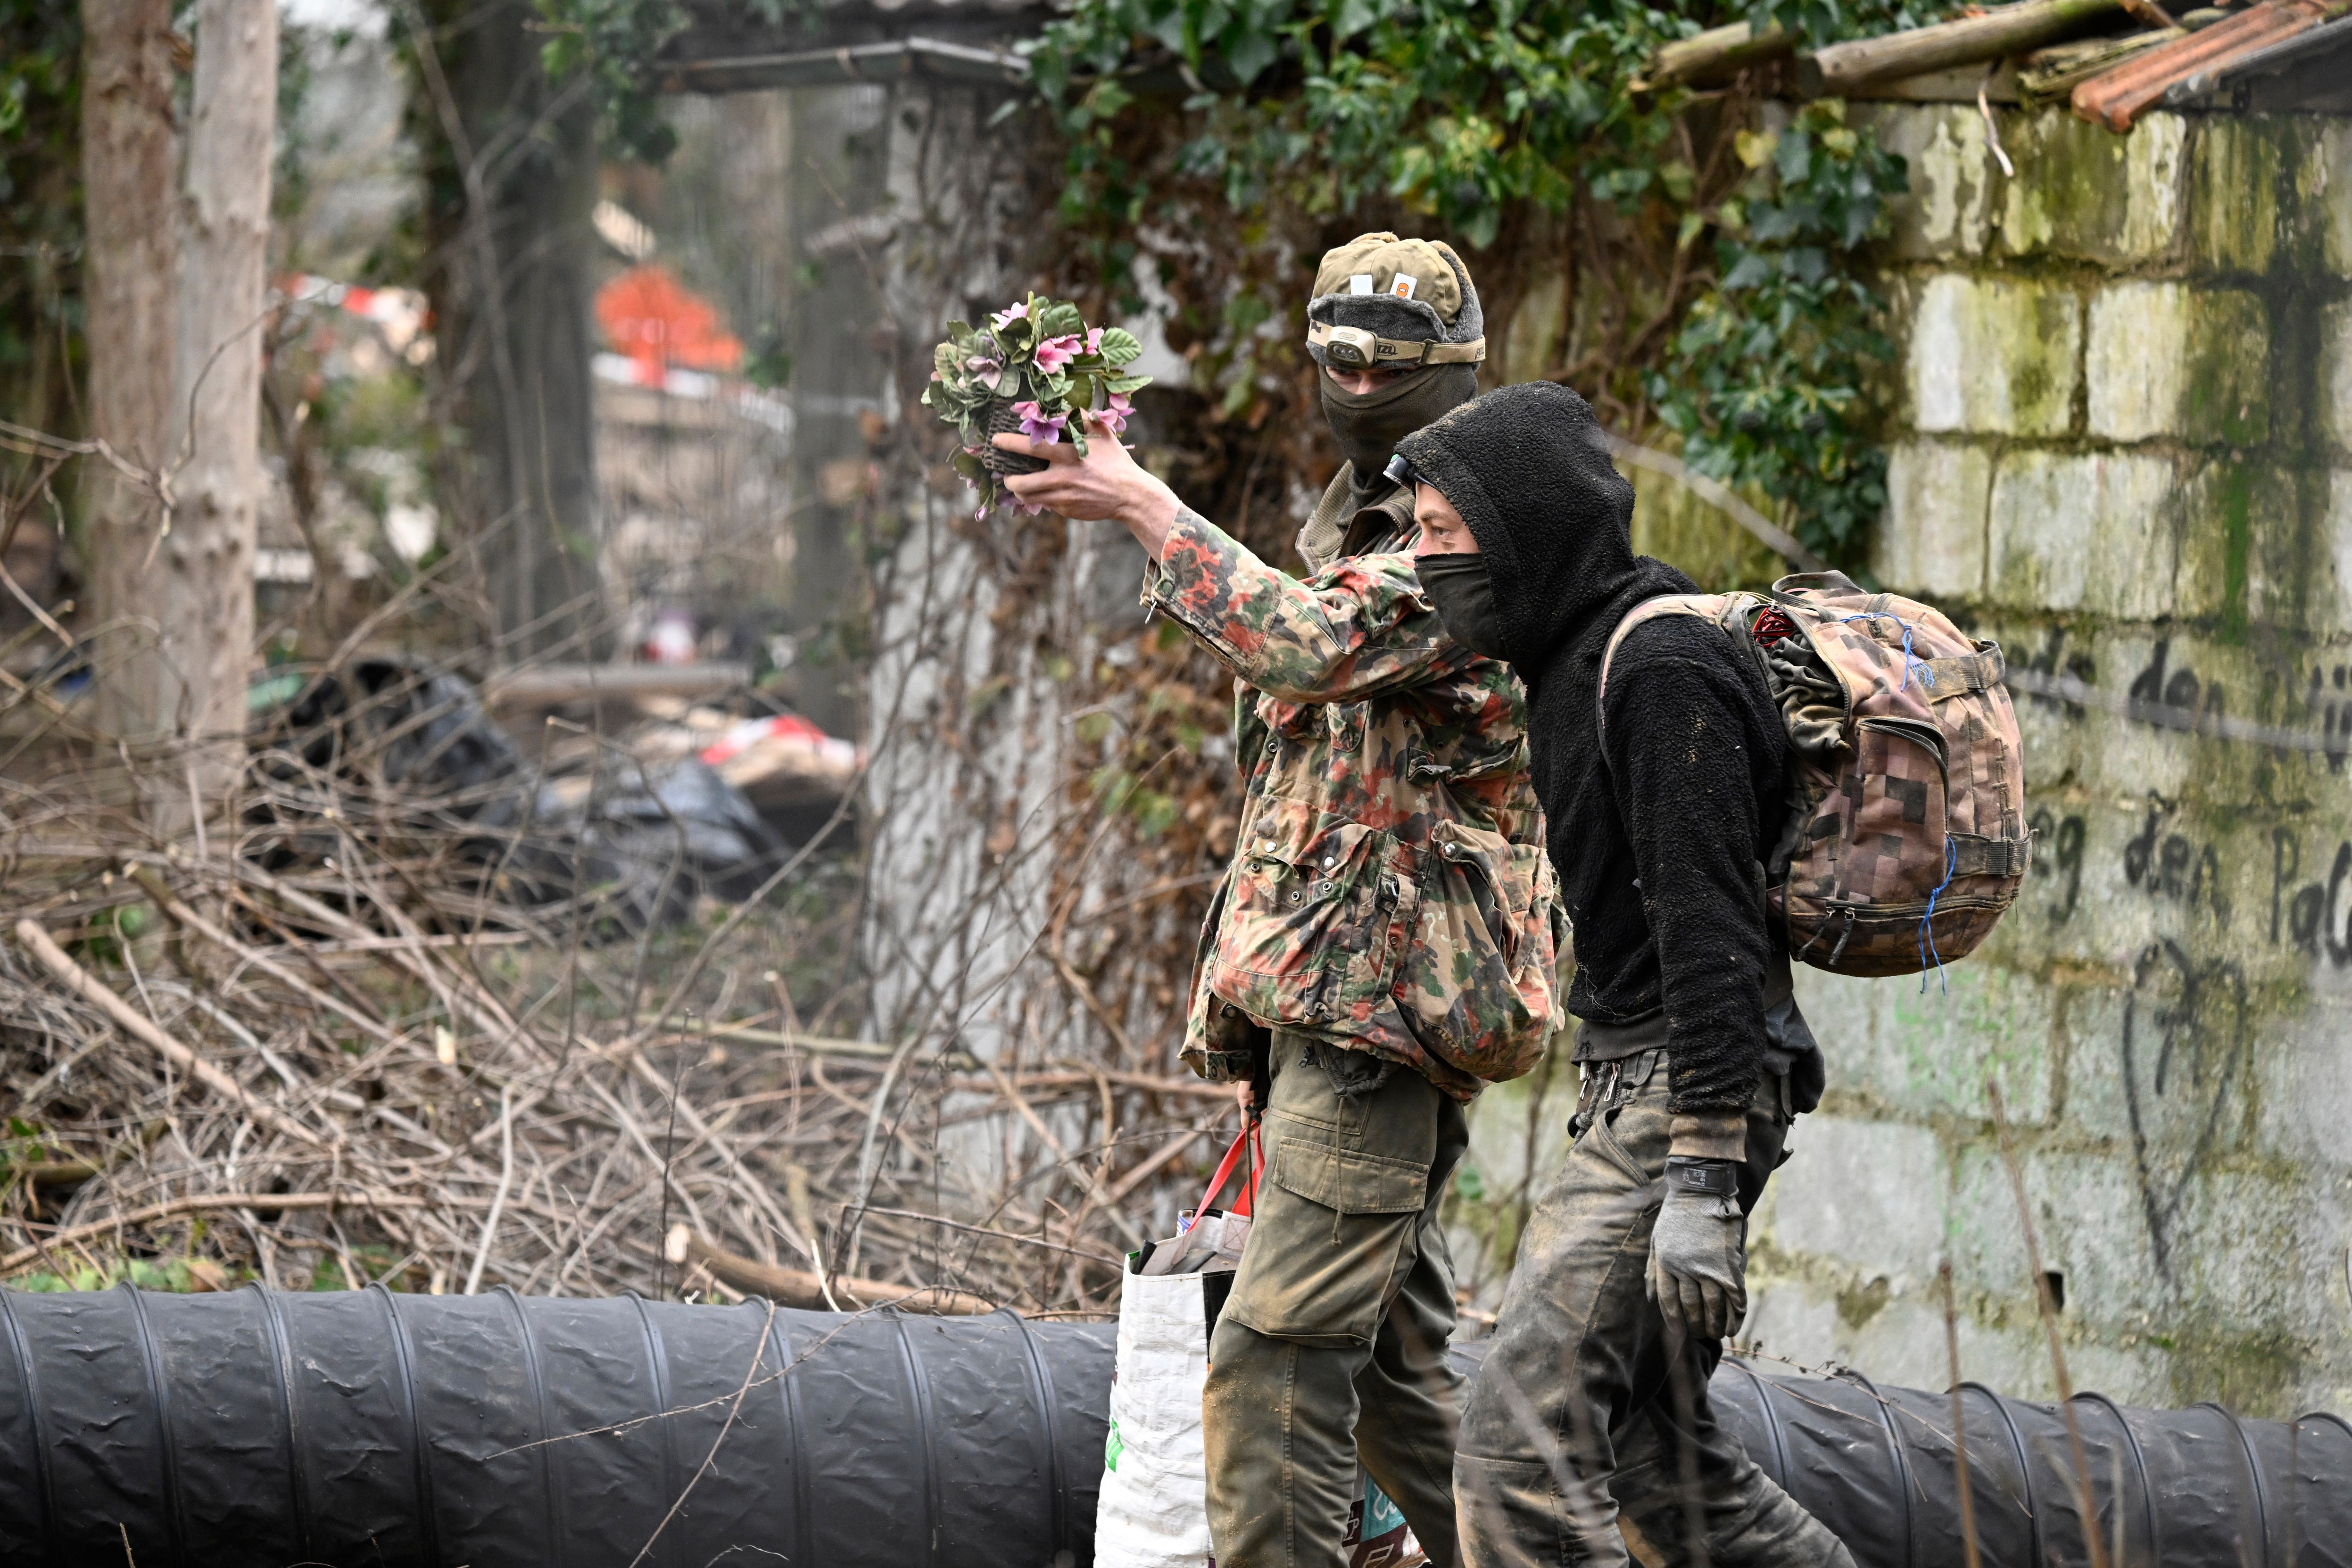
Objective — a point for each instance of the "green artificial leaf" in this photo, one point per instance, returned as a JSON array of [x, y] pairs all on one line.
[[1121, 346], [1059, 318]]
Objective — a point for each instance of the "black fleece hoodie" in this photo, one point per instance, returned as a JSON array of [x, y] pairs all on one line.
[[1660, 823]]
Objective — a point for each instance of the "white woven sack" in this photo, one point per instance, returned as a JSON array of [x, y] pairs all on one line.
[[1153, 1508]]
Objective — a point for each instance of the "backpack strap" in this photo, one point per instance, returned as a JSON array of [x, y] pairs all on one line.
[[1726, 610], [1958, 676]]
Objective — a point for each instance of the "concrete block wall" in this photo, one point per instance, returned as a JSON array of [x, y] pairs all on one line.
[[2121, 443]]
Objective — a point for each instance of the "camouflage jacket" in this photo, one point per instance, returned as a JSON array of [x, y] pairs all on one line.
[[1389, 889]]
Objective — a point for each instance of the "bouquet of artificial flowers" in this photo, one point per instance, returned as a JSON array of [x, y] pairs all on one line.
[[1031, 370]]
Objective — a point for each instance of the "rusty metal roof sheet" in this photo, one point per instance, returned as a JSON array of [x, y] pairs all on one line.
[[2118, 97], [2297, 56]]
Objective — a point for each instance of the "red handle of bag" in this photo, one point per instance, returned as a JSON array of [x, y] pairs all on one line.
[[1247, 1138]]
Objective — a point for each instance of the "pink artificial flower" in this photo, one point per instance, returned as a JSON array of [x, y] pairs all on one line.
[[1036, 426], [1055, 352], [1094, 340], [1114, 417], [987, 372], [1010, 314]]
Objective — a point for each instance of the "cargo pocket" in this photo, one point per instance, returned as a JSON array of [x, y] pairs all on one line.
[[1330, 1243], [1308, 934]]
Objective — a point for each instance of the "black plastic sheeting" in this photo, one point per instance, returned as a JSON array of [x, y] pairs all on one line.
[[365, 1429]]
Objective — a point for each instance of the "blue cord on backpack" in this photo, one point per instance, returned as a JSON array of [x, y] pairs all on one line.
[[1927, 671], [1927, 932]]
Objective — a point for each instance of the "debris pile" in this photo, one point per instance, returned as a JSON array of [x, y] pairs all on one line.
[[424, 1009]]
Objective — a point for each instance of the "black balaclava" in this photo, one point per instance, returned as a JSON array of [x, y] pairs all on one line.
[[1438, 304], [1462, 591], [1368, 425]]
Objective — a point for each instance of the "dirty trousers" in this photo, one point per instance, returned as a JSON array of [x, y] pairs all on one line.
[[1586, 1429], [1332, 1345]]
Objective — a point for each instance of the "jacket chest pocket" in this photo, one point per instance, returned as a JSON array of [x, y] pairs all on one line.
[[1311, 932], [1477, 980]]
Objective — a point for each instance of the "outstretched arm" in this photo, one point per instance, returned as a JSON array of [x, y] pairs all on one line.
[[1106, 485], [1359, 630]]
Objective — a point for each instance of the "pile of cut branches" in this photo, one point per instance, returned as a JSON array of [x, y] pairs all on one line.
[[315, 1042]]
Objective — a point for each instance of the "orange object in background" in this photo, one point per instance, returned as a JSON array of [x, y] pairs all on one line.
[[647, 314]]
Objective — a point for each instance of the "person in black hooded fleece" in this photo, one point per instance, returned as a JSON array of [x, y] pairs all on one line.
[[1591, 1407]]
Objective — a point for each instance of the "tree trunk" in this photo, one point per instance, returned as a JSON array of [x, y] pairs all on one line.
[[130, 282], [515, 192], [202, 582]]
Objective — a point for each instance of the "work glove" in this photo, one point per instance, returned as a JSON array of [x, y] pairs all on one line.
[[1698, 1250]]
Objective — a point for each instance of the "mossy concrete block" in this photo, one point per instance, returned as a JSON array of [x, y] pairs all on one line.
[[2086, 1218], [2170, 359], [2330, 613], [2083, 193], [1932, 543], [2211, 790], [2333, 415], [2084, 532], [1863, 1193], [1948, 212], [2328, 187], [2305, 1117], [2238, 548], [1927, 1052], [2234, 206], [1994, 355]]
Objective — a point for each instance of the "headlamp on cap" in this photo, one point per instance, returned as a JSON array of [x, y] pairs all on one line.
[[1400, 473], [1352, 346]]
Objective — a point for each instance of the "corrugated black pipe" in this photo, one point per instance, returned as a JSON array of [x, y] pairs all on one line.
[[503, 1432], [2184, 1488], [366, 1429]]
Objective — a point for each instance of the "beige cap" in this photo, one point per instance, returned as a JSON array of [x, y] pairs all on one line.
[[1403, 269]]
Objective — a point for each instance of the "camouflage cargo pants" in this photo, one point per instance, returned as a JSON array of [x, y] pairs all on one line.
[[1332, 1345], [1585, 1429]]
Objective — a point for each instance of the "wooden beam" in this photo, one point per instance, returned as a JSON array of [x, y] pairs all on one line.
[[1842, 69], [1716, 56]]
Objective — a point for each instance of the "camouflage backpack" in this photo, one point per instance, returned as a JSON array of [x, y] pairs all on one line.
[[1905, 839]]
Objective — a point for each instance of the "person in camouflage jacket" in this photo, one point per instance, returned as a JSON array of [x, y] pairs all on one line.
[[1383, 942]]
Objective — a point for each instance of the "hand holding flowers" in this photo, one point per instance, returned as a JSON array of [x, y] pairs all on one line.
[[1040, 364]]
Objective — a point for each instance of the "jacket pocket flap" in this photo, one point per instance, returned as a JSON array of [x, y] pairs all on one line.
[[1347, 1181], [1292, 833]]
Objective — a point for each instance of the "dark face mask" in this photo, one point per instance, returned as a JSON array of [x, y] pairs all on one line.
[[1370, 425], [1462, 591]]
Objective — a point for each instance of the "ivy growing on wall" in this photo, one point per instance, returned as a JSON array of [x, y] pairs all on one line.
[[1727, 256]]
